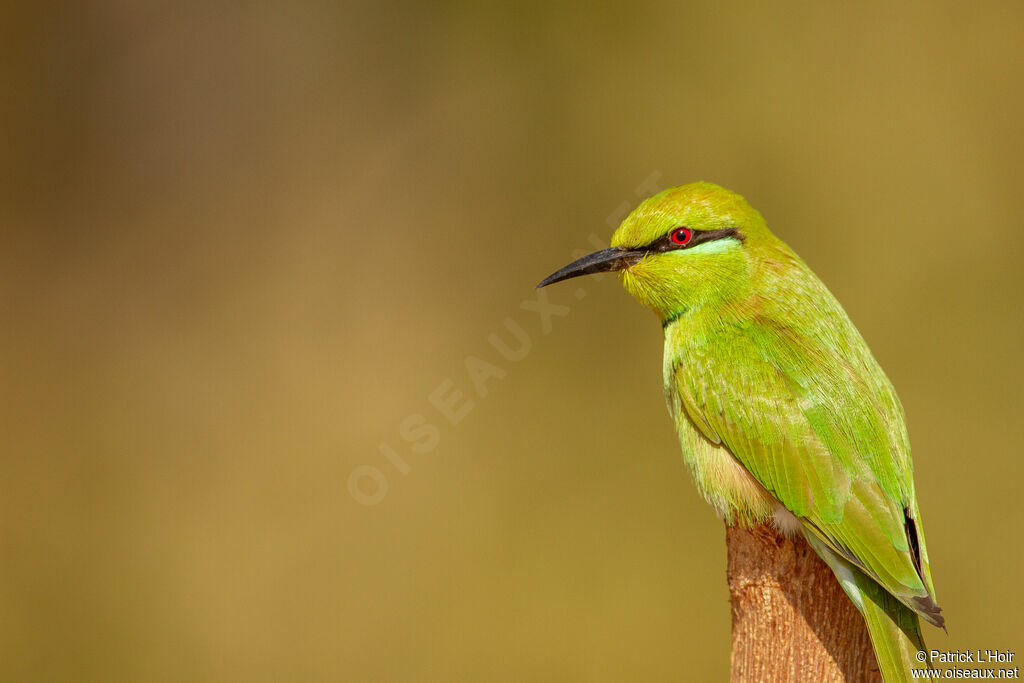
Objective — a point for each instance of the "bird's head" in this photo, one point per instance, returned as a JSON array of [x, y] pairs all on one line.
[[682, 248]]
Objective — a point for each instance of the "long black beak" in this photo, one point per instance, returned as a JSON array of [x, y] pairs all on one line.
[[613, 258]]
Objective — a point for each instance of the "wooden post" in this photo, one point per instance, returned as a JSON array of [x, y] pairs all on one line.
[[791, 621]]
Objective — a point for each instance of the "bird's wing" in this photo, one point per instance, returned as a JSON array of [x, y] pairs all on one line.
[[823, 432]]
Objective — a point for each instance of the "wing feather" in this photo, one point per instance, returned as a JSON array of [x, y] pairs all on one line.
[[824, 440]]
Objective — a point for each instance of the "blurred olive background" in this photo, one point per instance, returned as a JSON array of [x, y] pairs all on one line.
[[244, 244]]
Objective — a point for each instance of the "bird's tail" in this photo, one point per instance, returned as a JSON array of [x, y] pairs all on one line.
[[894, 628], [895, 631]]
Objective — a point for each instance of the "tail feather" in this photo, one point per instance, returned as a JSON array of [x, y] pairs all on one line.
[[894, 628]]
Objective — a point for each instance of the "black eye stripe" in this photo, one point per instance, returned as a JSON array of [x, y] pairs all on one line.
[[697, 237]]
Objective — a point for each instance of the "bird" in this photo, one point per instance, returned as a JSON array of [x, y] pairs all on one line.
[[783, 414]]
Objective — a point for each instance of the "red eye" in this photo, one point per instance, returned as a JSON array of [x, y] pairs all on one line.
[[681, 236]]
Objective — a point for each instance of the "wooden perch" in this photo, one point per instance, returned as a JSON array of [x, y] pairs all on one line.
[[791, 621]]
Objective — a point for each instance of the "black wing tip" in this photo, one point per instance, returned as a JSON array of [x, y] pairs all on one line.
[[930, 612], [926, 606]]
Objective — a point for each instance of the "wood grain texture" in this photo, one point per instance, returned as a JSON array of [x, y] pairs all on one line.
[[791, 621]]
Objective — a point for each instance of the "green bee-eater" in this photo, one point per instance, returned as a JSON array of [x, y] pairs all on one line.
[[783, 414]]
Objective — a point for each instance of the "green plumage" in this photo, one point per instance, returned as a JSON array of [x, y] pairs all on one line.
[[783, 414]]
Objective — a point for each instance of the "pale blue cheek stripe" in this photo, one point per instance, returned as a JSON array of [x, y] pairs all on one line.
[[718, 246]]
